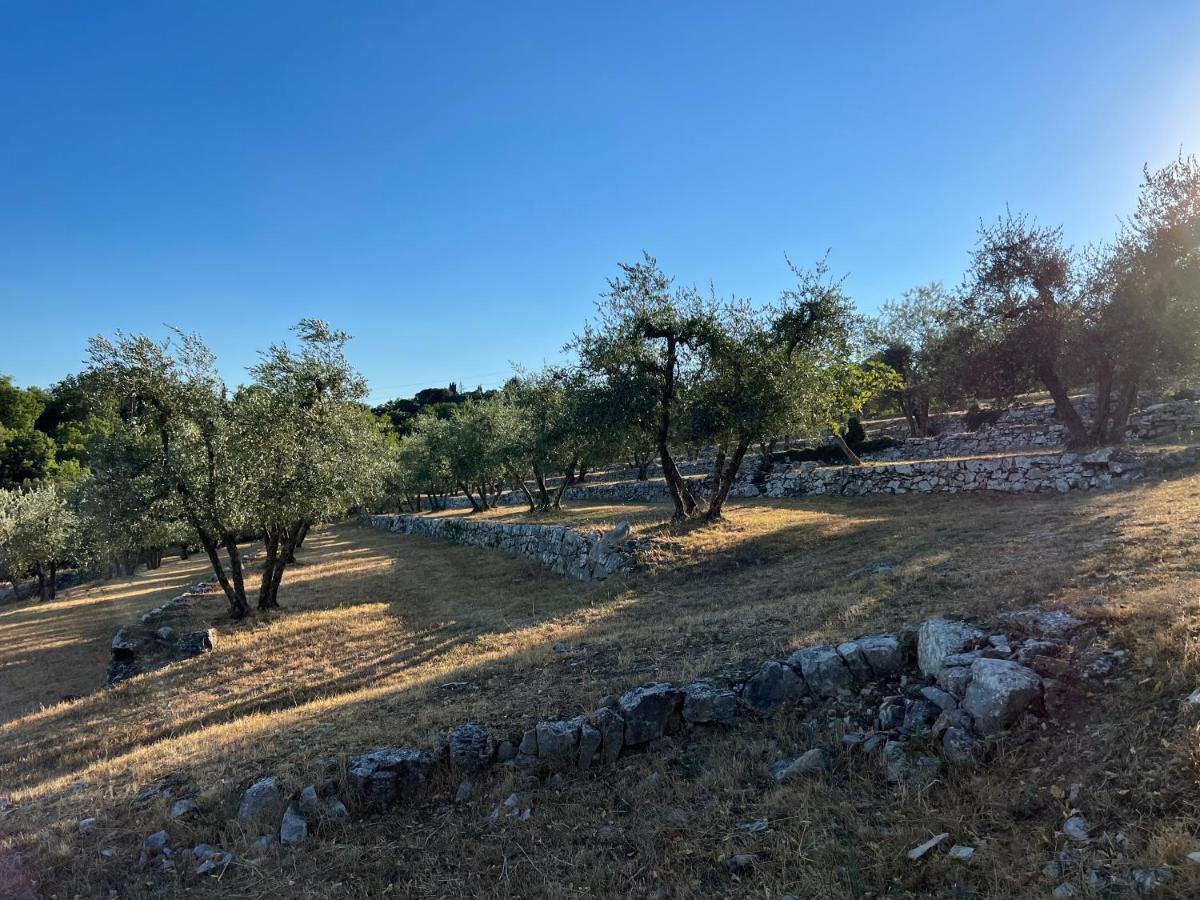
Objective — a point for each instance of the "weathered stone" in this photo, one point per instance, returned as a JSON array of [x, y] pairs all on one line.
[[528, 746], [124, 645], [940, 638], [705, 702], [884, 653], [262, 802], [194, 644], [959, 747], [954, 679], [1000, 690], [293, 829], [87, 826], [921, 849], [558, 742], [1076, 828], [182, 808], [773, 685], [852, 656], [816, 761], [1148, 882], [612, 733], [335, 811], [155, 844], [900, 768], [824, 670], [941, 699], [166, 633], [1055, 625], [590, 739], [919, 714], [466, 790], [649, 711], [470, 747], [388, 774], [308, 804]]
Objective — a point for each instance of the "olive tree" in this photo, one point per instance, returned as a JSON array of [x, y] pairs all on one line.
[[170, 393], [37, 532], [311, 448], [1140, 297], [1019, 284], [649, 332]]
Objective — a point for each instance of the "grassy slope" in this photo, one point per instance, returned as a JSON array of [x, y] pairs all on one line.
[[381, 632]]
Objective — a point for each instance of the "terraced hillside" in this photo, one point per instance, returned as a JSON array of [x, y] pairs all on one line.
[[394, 640]]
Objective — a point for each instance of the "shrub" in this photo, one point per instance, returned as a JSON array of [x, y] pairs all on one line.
[[830, 454], [855, 433], [976, 418]]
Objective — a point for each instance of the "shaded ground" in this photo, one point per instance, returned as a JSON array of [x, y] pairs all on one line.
[[55, 648], [391, 639]]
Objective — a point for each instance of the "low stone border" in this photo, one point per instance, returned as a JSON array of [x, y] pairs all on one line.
[[918, 699], [586, 556], [143, 647]]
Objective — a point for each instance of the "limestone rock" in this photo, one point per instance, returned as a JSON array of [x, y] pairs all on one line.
[[852, 656], [558, 742], [884, 653], [470, 747], [649, 711], [183, 808], [1000, 690], [824, 670], [921, 849], [959, 747], [293, 829], [386, 775], [1076, 828], [262, 802], [590, 739], [612, 733], [705, 702], [466, 790], [941, 699], [772, 686], [940, 638], [816, 761]]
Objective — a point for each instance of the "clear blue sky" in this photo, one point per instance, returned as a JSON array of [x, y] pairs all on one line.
[[453, 182]]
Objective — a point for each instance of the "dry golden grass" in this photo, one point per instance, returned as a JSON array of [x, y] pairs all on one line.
[[389, 639]]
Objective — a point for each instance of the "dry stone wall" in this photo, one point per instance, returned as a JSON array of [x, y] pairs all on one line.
[[151, 643], [1059, 472], [586, 556], [916, 701], [1035, 427]]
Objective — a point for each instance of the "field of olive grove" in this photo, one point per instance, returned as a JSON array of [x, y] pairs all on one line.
[[146, 503]]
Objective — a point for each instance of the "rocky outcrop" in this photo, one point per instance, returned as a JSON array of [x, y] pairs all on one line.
[[586, 556]]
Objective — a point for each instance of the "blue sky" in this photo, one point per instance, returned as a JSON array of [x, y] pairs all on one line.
[[452, 183]]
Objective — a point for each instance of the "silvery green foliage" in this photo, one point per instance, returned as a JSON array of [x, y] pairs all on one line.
[[309, 447], [37, 528]]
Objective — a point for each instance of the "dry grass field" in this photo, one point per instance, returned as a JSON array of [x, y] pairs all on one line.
[[388, 639]]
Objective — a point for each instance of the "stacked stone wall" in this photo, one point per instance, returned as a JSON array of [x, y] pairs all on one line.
[[586, 556]]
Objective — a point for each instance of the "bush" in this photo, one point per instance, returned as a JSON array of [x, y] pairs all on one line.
[[976, 418], [831, 454], [855, 433]]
